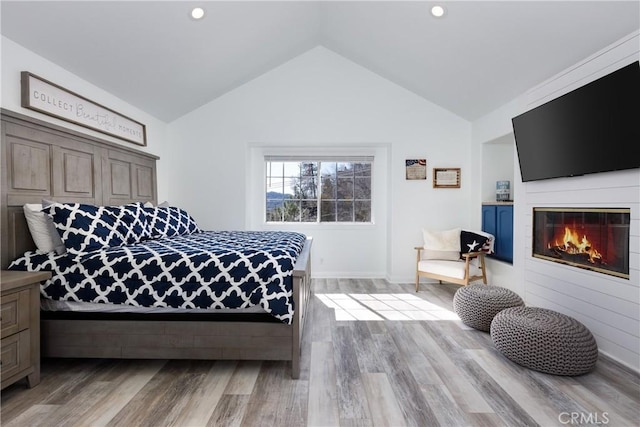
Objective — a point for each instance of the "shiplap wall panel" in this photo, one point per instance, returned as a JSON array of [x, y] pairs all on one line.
[[615, 56], [588, 286], [612, 312], [608, 305]]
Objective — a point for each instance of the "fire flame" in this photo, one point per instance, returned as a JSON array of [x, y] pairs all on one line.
[[571, 243]]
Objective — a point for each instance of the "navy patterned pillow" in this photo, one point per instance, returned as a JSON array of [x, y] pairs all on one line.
[[84, 228], [132, 222], [474, 242], [169, 221]]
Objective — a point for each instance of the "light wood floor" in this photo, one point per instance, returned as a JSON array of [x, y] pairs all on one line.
[[423, 368]]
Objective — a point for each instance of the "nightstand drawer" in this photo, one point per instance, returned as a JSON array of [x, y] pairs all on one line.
[[16, 354], [15, 312], [20, 310]]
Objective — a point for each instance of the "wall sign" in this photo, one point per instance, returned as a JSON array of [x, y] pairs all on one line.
[[416, 168], [48, 98], [446, 177]]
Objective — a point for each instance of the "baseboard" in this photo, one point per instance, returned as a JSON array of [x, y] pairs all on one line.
[[623, 365], [347, 275], [398, 280]]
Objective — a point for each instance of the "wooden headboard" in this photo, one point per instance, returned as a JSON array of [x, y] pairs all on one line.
[[41, 160]]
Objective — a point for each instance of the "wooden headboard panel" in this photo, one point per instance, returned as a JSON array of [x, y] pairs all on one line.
[[41, 160]]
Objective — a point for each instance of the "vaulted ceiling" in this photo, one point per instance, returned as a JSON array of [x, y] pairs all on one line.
[[154, 56]]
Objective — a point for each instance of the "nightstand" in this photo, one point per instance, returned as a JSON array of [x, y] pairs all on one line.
[[21, 326]]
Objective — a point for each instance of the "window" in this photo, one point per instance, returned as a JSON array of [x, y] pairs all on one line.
[[326, 190]]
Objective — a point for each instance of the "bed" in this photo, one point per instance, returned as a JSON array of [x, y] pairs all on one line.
[[206, 306]]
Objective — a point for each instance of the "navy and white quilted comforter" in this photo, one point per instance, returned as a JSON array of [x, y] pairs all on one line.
[[225, 269]]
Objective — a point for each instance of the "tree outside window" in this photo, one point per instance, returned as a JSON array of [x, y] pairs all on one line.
[[318, 191]]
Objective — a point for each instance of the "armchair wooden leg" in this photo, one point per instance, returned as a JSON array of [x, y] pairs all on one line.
[[484, 270], [417, 281]]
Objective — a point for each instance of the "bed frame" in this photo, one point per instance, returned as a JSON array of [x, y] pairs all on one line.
[[43, 160]]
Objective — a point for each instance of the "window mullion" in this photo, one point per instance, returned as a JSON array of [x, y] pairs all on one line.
[[319, 194], [335, 198], [307, 179], [353, 197]]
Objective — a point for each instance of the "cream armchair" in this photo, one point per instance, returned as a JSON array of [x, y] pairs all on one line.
[[455, 256]]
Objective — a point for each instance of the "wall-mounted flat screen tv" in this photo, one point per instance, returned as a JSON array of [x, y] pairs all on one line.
[[595, 128]]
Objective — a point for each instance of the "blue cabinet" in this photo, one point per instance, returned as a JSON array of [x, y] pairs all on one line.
[[498, 220]]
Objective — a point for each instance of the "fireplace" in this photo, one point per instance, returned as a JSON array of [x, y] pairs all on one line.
[[592, 238]]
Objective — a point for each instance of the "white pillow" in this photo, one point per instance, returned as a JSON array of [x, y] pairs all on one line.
[[43, 232], [161, 205], [448, 240], [442, 255]]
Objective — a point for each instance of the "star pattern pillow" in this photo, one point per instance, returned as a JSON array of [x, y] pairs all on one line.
[[167, 221], [474, 242]]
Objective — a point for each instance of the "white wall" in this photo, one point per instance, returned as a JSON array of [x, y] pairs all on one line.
[[370, 237], [497, 165], [15, 59], [608, 306], [321, 100]]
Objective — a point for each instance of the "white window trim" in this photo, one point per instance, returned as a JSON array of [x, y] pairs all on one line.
[[256, 171], [320, 159]]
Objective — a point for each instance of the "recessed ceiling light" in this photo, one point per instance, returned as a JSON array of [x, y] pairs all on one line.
[[197, 13], [438, 11]]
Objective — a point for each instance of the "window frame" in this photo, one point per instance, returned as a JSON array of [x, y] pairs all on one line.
[[319, 160]]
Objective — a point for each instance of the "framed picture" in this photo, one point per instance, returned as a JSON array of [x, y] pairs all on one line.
[[446, 177], [41, 95], [416, 169]]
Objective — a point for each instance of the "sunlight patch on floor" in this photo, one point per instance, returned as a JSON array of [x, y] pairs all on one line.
[[402, 307]]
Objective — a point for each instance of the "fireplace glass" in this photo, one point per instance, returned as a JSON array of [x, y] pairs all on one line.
[[592, 238]]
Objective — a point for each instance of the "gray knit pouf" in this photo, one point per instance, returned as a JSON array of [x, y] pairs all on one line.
[[476, 305], [544, 340]]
